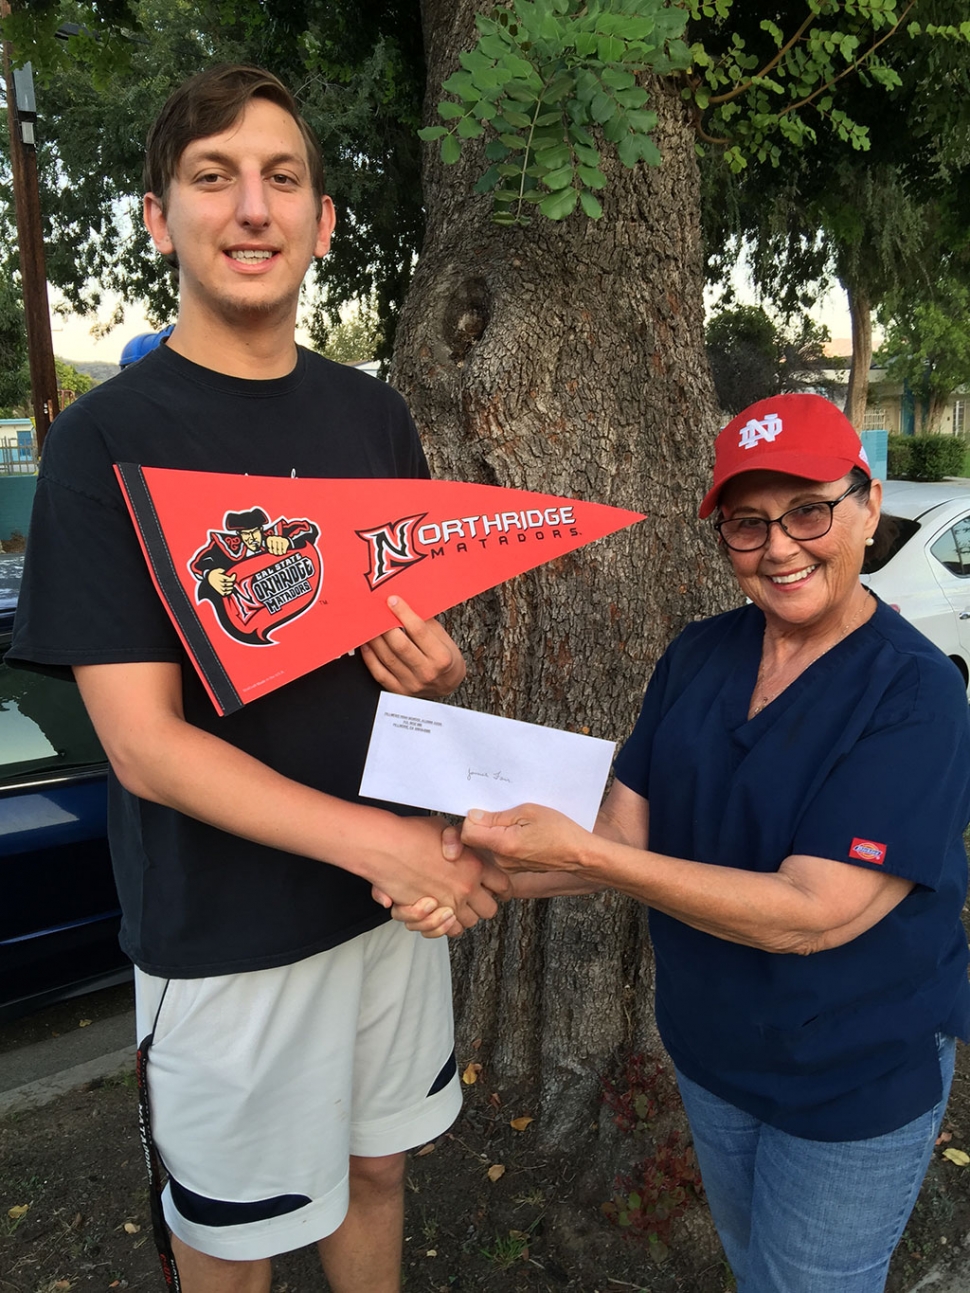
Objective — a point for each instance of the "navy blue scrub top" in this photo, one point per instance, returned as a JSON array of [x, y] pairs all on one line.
[[865, 759]]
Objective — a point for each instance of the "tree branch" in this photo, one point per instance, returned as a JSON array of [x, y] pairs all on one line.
[[769, 67], [792, 107]]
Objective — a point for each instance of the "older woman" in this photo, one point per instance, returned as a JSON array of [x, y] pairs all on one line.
[[791, 806]]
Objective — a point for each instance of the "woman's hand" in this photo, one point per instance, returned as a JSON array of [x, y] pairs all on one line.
[[527, 838]]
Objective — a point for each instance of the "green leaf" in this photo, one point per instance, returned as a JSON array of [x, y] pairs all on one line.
[[616, 128], [473, 60], [628, 151], [450, 111], [592, 177], [488, 181], [551, 159], [494, 46], [617, 79], [523, 70], [520, 91], [489, 80], [518, 119], [461, 83], [560, 204], [558, 179], [450, 150], [643, 120], [586, 44], [590, 204], [430, 133], [588, 156], [469, 128], [602, 108], [559, 87], [610, 49], [634, 98], [581, 136]]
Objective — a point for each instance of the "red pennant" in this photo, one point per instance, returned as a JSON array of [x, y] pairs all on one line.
[[268, 577]]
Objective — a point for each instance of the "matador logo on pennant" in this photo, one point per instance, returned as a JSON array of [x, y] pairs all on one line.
[[258, 574], [268, 577]]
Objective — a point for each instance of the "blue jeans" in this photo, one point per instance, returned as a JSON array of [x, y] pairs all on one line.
[[809, 1216]]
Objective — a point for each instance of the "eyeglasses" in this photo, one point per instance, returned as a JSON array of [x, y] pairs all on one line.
[[810, 521]]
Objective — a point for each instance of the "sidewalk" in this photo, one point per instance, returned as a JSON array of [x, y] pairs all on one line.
[[34, 1075]]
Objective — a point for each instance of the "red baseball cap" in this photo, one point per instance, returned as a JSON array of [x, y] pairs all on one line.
[[799, 435]]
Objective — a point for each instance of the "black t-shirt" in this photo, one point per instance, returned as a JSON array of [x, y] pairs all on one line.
[[196, 900]]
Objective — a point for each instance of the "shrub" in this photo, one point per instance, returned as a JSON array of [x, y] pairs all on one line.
[[931, 457], [925, 457], [898, 456]]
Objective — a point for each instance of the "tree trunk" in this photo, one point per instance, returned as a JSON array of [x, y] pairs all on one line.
[[934, 410], [567, 358], [860, 310]]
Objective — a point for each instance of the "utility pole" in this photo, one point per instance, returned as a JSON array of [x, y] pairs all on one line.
[[22, 116]]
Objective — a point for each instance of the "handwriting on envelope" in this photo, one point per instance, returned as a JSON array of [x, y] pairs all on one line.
[[449, 760]]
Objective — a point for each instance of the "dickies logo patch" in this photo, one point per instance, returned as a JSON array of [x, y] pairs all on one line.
[[868, 851]]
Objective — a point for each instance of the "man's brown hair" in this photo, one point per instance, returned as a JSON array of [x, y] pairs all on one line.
[[209, 103]]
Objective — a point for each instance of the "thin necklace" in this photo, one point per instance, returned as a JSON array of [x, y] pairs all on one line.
[[767, 697]]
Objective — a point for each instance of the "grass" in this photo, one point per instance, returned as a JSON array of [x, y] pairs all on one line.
[[505, 1252]]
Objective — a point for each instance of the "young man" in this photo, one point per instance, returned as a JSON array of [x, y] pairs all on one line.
[[300, 1042]]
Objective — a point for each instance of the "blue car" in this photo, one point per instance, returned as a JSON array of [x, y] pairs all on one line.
[[59, 912]]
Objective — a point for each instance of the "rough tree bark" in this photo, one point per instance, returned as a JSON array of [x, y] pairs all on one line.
[[567, 358], [857, 396]]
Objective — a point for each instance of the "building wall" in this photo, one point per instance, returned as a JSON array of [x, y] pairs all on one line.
[[16, 499]]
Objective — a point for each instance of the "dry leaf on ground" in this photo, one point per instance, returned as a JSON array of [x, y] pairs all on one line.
[[957, 1156], [496, 1172], [520, 1124], [471, 1073]]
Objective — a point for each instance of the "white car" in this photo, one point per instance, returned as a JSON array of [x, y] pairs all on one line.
[[926, 574]]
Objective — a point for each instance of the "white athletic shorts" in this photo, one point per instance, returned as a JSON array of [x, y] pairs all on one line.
[[262, 1084]]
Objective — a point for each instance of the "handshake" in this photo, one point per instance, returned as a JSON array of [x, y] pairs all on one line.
[[527, 851]]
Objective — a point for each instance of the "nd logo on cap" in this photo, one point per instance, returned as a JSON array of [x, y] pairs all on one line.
[[768, 428], [797, 435]]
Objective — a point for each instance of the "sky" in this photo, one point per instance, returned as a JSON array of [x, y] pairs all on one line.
[[73, 339]]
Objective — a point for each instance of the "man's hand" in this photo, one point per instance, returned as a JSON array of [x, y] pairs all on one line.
[[277, 544], [426, 916], [221, 582], [418, 659], [434, 863]]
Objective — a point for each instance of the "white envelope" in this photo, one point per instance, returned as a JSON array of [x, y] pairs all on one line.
[[449, 760]]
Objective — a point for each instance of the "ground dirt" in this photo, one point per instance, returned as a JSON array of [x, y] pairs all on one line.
[[539, 1226]]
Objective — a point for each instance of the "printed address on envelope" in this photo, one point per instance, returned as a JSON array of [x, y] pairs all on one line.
[[449, 760]]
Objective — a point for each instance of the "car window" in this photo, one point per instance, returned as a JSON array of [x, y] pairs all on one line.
[[43, 726], [893, 533], [952, 549]]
